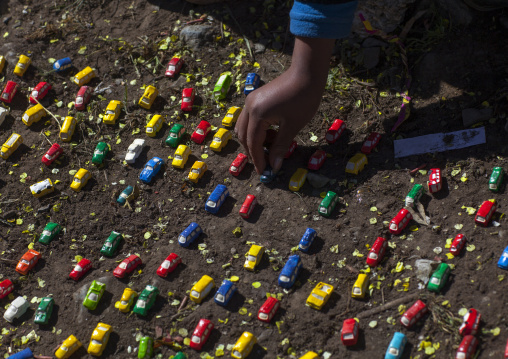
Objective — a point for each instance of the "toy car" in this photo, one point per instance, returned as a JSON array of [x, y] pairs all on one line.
[[216, 199], [68, 347], [220, 139], [154, 126], [12, 143], [175, 135], [99, 339], [6, 288], [68, 128], [3, 114], [268, 309], [111, 245], [62, 64], [145, 349], [287, 276], [83, 97], [306, 240], [435, 182], [24, 354], [254, 257], [309, 355], [188, 95], [251, 83], [199, 135], [42, 188], [319, 295], [225, 293], [201, 289], [127, 266], [27, 262], [349, 332], [291, 149], [80, 179], [371, 143], [83, 266], [94, 294], [112, 112], [356, 163], [101, 151], [148, 97], [151, 169], [335, 131], [413, 314], [243, 346], [485, 213], [439, 278], [361, 286], [470, 323], [84, 76], [128, 194], [201, 334], [182, 154], [127, 300], [396, 346], [2, 63], [496, 179], [414, 195], [221, 88], [39, 92], [52, 154], [197, 171], [9, 91], [44, 310], [231, 116], [33, 115], [458, 243], [467, 347], [400, 221], [316, 160], [180, 355], [22, 65], [189, 234], [238, 164], [174, 67], [50, 232], [17, 308], [248, 206], [503, 260], [298, 179], [169, 265], [268, 174], [134, 150], [328, 204], [377, 252]]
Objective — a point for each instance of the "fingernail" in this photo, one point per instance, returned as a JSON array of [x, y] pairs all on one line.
[[277, 164]]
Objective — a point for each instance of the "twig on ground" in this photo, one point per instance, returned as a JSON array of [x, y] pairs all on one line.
[[388, 305], [48, 111]]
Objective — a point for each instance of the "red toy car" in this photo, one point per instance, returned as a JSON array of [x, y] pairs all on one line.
[[435, 183], [238, 164], [349, 332], [506, 351], [335, 130], [485, 213], [83, 97], [39, 92], [127, 266], [52, 154], [377, 252], [81, 269], [201, 334], [174, 66], [470, 323], [9, 91], [457, 244], [199, 135], [268, 309], [169, 265], [291, 149], [467, 347], [6, 287], [316, 160], [400, 221], [413, 314], [248, 206], [371, 143], [28, 261], [187, 99]]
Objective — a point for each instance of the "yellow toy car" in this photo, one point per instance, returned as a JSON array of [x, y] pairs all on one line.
[[2, 63], [197, 171], [319, 295], [68, 128], [22, 65], [231, 116], [84, 76], [112, 112], [42, 188], [361, 286], [220, 139], [243, 345], [356, 163], [201, 289], [10, 145], [310, 355], [80, 179], [127, 300], [254, 256], [99, 339], [148, 97], [154, 125], [68, 347], [33, 114], [181, 156], [298, 179]]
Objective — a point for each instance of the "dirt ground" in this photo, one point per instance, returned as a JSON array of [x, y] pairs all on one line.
[[129, 44]]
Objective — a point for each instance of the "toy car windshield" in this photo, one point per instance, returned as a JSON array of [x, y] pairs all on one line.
[[186, 99], [79, 100], [199, 131], [196, 170], [211, 204], [78, 268], [149, 168], [317, 296]]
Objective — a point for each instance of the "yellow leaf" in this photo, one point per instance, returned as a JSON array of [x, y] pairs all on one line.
[[256, 284], [243, 311], [256, 65], [399, 267], [234, 278], [495, 331], [6, 34], [449, 255]]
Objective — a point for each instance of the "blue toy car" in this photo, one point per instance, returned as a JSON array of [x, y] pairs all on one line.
[[268, 175], [189, 234], [503, 260], [287, 276], [251, 83], [216, 199], [396, 347], [24, 354], [307, 239], [62, 64], [225, 292], [152, 167]]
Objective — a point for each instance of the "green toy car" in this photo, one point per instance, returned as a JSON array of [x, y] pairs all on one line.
[[145, 348], [50, 232], [439, 278], [328, 204], [94, 295], [44, 310], [496, 179], [111, 245], [221, 88], [180, 355], [414, 195], [146, 300], [101, 150], [175, 135]]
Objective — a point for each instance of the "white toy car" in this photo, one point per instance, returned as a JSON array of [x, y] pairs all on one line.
[[3, 113], [17, 308], [134, 150]]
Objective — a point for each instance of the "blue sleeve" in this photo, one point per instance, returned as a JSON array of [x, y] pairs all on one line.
[[319, 20]]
